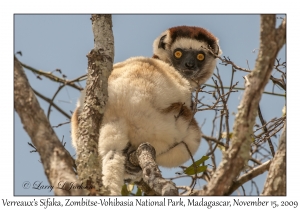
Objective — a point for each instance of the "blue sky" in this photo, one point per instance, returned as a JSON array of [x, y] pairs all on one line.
[[49, 42]]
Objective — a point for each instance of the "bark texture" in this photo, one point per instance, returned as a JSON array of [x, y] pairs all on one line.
[[249, 176], [271, 41], [276, 180], [152, 177], [100, 63], [56, 160]]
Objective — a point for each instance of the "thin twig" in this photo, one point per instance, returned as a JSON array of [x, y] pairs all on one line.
[[209, 138], [53, 104], [53, 77], [60, 124], [226, 61], [266, 131], [240, 88], [52, 99]]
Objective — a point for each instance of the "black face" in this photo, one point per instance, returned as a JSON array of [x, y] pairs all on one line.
[[188, 62]]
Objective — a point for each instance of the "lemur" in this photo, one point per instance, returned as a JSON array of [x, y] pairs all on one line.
[[150, 100]]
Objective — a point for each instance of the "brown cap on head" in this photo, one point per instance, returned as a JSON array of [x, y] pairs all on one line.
[[192, 32], [165, 41]]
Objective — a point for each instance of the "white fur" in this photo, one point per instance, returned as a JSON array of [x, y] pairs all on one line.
[[139, 90], [74, 119], [111, 143], [185, 43], [139, 109]]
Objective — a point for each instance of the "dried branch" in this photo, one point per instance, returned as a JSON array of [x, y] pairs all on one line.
[[276, 180], [256, 161], [52, 103], [280, 35], [187, 190], [278, 82], [145, 188], [145, 157], [249, 176], [54, 78], [272, 128], [283, 64], [52, 100], [60, 124], [226, 61], [240, 88], [56, 161], [266, 131], [209, 107], [209, 138], [238, 153], [225, 100], [100, 63]]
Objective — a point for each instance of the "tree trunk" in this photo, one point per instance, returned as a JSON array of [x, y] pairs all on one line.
[[276, 180], [55, 158], [100, 63]]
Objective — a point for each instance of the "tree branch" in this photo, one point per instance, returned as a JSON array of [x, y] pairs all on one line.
[[52, 103], [100, 63], [276, 180], [263, 122], [54, 78], [249, 176], [56, 161], [239, 151], [240, 88], [144, 156]]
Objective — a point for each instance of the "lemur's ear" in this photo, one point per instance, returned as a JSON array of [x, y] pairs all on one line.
[[161, 43]]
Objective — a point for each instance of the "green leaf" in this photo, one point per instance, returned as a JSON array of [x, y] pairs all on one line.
[[124, 190], [191, 169], [139, 192], [200, 161]]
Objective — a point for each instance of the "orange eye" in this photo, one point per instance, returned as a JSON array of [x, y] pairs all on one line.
[[200, 57], [178, 54]]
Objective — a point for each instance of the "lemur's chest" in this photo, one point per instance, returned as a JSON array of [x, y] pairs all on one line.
[[162, 129], [152, 99]]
